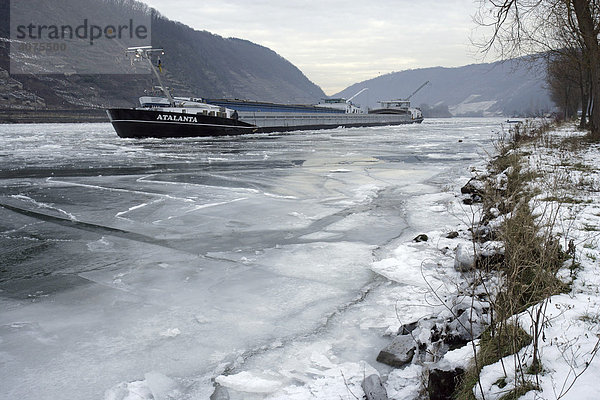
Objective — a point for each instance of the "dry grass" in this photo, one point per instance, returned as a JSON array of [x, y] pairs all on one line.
[[532, 259]]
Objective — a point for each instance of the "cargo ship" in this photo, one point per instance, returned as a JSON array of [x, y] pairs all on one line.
[[168, 116]]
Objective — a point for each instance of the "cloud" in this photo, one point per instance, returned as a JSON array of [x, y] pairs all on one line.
[[339, 42]]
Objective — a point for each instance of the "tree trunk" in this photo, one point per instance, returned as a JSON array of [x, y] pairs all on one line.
[[585, 23], [595, 95], [584, 95]]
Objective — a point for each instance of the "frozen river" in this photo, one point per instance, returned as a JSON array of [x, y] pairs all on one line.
[[139, 269]]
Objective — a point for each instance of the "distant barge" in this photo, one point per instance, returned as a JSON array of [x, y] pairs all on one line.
[[168, 116]]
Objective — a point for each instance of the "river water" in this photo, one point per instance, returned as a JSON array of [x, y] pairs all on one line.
[[139, 269]]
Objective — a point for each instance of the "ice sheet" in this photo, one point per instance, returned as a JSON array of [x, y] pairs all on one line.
[[151, 267]]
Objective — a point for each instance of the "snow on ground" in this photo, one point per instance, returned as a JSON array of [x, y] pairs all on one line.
[[569, 193]]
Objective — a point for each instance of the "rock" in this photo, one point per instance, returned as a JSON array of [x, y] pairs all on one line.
[[373, 388], [398, 353], [465, 257], [442, 384], [452, 235], [491, 256], [220, 393], [469, 325], [472, 200], [473, 187], [454, 342], [421, 238], [492, 248], [494, 212], [408, 328], [502, 181], [476, 189], [483, 233]]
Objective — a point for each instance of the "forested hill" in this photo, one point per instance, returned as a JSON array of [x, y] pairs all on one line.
[[196, 63]]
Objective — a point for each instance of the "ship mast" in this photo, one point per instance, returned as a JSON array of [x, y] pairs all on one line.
[[145, 53]]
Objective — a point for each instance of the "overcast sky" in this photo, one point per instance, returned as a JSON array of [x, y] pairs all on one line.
[[340, 42]]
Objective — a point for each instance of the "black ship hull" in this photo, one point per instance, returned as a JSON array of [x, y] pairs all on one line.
[[142, 123]]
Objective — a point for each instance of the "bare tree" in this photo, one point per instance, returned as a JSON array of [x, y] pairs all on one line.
[[588, 16], [527, 27], [566, 83]]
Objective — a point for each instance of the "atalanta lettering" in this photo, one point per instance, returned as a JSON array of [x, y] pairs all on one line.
[[176, 118]]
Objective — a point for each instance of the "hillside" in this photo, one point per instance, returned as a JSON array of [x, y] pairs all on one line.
[[196, 63], [512, 88]]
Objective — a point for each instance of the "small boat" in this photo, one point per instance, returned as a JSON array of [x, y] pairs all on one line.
[[169, 116]]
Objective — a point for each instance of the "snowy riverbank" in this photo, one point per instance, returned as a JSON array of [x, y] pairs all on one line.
[[567, 184], [567, 197]]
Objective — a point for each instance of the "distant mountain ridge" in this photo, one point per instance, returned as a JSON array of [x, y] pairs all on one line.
[[510, 88]]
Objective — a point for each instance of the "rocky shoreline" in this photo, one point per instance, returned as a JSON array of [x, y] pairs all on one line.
[[462, 318], [441, 348]]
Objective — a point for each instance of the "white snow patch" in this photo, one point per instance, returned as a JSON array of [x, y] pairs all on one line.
[[413, 264], [405, 383], [250, 382], [171, 332], [155, 386]]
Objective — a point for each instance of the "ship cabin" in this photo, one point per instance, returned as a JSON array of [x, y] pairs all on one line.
[[340, 103], [395, 104]]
